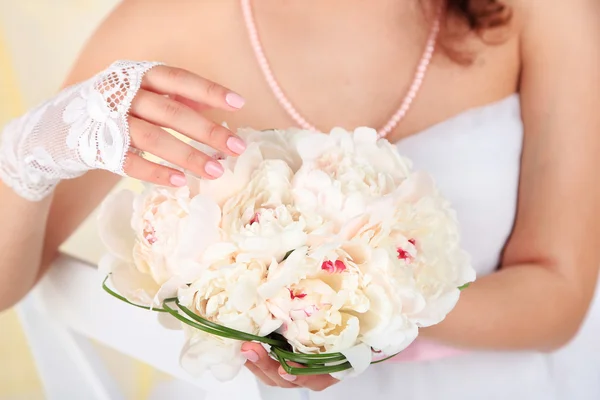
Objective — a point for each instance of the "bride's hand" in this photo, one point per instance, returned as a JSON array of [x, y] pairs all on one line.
[[108, 121], [150, 111], [271, 373]]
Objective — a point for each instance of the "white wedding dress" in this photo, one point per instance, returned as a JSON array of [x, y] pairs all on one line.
[[475, 159]]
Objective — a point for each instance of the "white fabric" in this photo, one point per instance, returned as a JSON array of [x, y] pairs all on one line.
[[475, 159], [83, 128]]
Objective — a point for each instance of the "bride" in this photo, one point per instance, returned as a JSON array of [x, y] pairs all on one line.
[[499, 100]]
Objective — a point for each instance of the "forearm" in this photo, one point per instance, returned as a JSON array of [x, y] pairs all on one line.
[[518, 308], [21, 244]]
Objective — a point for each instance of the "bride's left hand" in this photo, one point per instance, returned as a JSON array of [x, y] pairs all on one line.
[[271, 373]]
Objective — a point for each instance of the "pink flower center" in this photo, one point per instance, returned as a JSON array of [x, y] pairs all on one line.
[[150, 234], [255, 219], [296, 294], [405, 255], [333, 267]]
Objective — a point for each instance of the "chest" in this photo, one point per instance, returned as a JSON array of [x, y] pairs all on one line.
[[337, 75]]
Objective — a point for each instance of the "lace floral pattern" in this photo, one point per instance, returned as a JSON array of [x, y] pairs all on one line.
[[83, 128]]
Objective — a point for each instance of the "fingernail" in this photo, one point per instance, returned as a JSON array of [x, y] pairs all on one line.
[[250, 355], [288, 377], [178, 180], [214, 169], [235, 100], [236, 145]]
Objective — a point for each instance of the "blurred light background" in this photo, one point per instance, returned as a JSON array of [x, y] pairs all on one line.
[[39, 40]]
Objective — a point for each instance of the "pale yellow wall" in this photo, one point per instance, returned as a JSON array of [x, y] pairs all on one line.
[[39, 40]]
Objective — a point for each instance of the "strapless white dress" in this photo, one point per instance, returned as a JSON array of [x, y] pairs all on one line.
[[475, 159]]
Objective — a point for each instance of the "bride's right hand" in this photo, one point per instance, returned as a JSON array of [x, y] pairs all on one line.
[[107, 123], [151, 110]]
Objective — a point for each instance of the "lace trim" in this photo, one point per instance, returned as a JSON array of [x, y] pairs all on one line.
[[84, 127]]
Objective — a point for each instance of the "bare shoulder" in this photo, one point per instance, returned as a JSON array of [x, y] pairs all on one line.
[[155, 30], [555, 15]]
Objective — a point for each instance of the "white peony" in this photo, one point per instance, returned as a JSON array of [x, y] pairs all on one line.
[[317, 296], [261, 220], [151, 238], [342, 172], [228, 296], [206, 352], [419, 232]]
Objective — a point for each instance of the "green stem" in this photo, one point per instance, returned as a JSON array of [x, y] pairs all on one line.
[[309, 369], [123, 299], [312, 358], [217, 329]]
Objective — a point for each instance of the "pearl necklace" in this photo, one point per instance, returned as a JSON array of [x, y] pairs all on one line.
[[291, 110]]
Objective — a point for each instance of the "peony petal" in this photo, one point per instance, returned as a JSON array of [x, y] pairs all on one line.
[[204, 352], [170, 289], [200, 229], [169, 322], [291, 271], [418, 185], [365, 135], [114, 224], [244, 294], [347, 338], [437, 309], [135, 286], [312, 146], [359, 356]]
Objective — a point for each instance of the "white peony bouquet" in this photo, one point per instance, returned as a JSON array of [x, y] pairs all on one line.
[[328, 249]]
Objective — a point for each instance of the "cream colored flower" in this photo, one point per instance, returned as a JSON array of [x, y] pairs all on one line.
[[207, 352], [317, 297], [419, 233], [261, 146], [342, 172], [261, 220], [152, 237], [228, 296]]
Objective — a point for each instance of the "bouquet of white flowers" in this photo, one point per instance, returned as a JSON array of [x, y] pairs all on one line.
[[327, 249]]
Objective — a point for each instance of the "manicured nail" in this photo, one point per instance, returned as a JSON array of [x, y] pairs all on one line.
[[288, 377], [235, 100], [250, 355], [214, 169], [178, 180], [236, 145]]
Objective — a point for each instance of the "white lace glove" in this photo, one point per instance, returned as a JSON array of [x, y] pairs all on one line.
[[108, 121], [83, 128]]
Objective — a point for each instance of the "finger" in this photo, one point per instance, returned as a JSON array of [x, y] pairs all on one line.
[[179, 82], [316, 383], [259, 374], [157, 141], [144, 170], [198, 107], [166, 112], [257, 355]]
